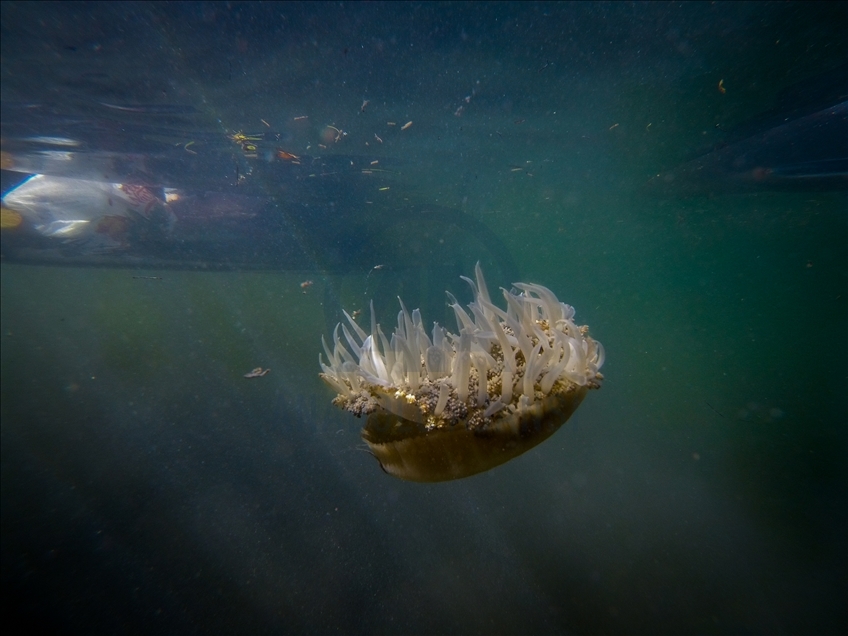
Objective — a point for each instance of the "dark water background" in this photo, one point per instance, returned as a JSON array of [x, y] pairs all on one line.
[[146, 486]]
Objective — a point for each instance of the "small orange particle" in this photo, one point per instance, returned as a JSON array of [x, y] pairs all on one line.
[[10, 219], [721, 88]]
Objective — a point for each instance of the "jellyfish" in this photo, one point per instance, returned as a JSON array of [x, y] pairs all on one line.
[[440, 405]]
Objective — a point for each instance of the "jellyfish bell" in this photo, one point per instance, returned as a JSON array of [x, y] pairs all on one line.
[[445, 406], [414, 452]]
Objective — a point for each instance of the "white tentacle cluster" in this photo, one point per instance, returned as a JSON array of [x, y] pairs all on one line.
[[501, 361]]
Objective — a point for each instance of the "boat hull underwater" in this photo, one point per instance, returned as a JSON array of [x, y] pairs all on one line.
[[150, 196], [799, 145]]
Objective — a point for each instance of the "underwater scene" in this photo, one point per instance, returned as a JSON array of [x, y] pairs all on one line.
[[424, 318]]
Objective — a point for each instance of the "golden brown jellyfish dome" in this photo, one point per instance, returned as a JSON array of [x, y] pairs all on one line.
[[447, 406]]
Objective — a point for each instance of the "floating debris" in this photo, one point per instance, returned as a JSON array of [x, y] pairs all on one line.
[[258, 372]]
